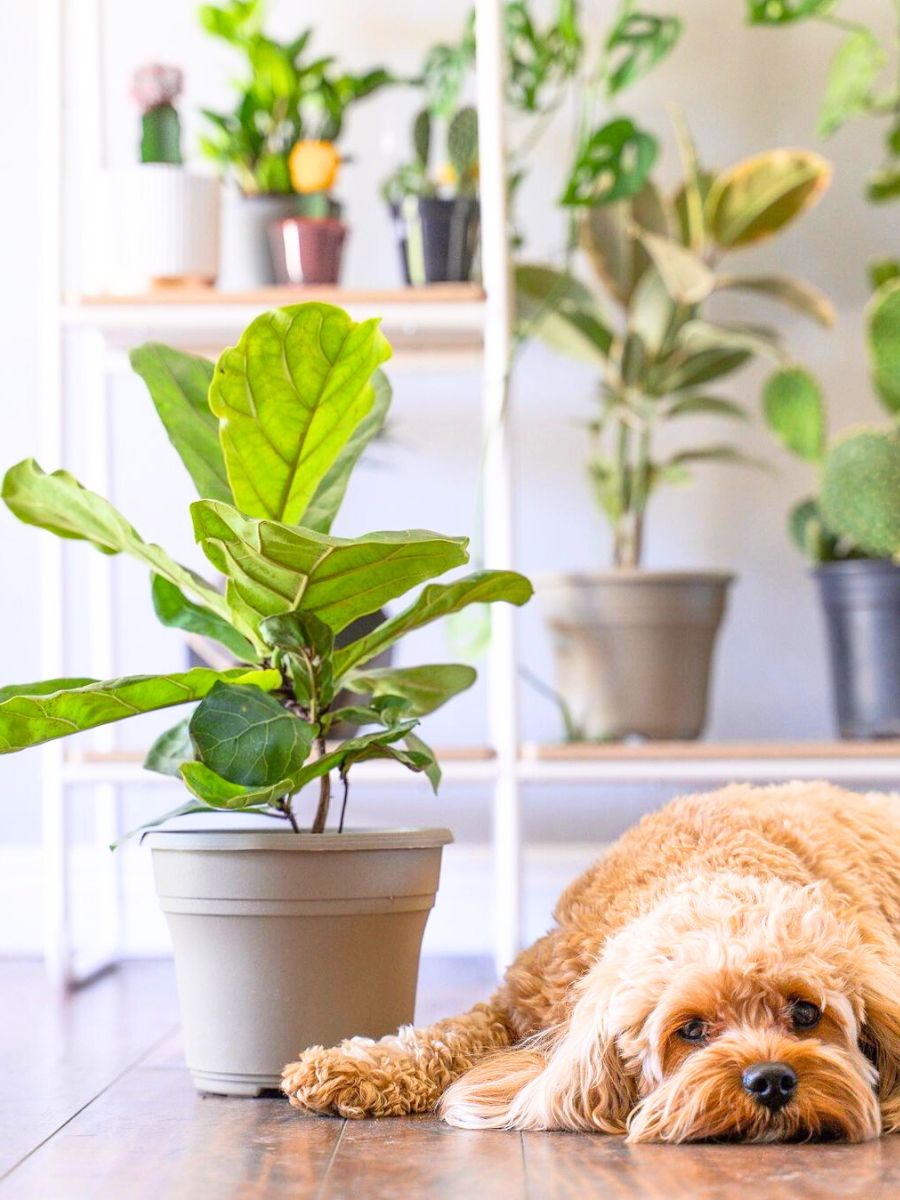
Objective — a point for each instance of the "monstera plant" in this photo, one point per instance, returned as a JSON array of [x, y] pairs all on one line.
[[270, 435], [662, 354]]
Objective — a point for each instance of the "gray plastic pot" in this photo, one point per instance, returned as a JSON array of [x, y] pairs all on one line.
[[861, 598], [634, 648], [285, 940]]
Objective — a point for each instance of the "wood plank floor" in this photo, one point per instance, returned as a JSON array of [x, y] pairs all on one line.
[[95, 1105]]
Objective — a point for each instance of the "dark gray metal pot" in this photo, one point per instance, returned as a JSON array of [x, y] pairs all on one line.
[[861, 598], [438, 238]]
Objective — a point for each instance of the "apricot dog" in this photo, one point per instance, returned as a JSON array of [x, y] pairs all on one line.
[[730, 969]]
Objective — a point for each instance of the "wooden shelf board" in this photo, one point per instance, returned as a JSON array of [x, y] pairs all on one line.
[[273, 297], [446, 754], [707, 751]]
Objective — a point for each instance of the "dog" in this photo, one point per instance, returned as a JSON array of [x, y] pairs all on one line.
[[729, 970]]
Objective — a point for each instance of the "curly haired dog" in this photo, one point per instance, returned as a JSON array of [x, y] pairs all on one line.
[[730, 969]]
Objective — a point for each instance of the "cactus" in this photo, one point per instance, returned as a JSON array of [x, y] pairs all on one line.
[[860, 499], [156, 88], [462, 146], [883, 327], [421, 138]]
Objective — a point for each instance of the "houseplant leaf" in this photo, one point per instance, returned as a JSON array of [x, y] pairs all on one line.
[[29, 720], [60, 504], [883, 332], [793, 407], [794, 292], [178, 384], [613, 163], [44, 688], [248, 737], [685, 370], [697, 335], [176, 611], [607, 236], [555, 307], [782, 12], [423, 689], [635, 45], [687, 278], [288, 396], [272, 568], [851, 77], [170, 750], [758, 196], [432, 770], [708, 406], [433, 602]]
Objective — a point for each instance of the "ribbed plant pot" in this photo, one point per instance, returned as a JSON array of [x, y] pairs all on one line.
[[634, 649], [437, 238], [307, 250], [285, 940], [861, 599]]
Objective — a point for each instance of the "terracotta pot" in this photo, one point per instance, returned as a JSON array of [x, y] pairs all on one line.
[[634, 648], [307, 249], [286, 940]]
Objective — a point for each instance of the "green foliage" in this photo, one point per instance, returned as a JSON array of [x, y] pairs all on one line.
[[783, 12], [860, 500], [758, 197], [613, 163], [161, 135], [793, 407], [883, 328], [851, 77], [293, 406], [636, 44], [462, 148]]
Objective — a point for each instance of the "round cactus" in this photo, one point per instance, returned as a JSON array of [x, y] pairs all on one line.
[[860, 498]]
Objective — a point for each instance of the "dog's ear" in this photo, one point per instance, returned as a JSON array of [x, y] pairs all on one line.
[[880, 1036]]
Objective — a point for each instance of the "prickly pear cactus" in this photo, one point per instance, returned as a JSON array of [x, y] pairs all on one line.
[[883, 329], [462, 145], [860, 499], [421, 136]]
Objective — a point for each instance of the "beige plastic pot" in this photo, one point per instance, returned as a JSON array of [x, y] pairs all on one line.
[[634, 648], [285, 940]]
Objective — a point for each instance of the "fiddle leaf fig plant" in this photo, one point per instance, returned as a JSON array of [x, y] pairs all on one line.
[[269, 437], [664, 355]]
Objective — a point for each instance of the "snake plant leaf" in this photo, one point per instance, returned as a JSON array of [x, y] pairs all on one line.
[[433, 602], [613, 163], [176, 611], [708, 406], [852, 75], [288, 397], [178, 384], [329, 495], [273, 568], [687, 278], [783, 12], [423, 689], [218, 792], [29, 720], [795, 412], [793, 292], [860, 487], [249, 737], [170, 750], [59, 503], [637, 42], [557, 308], [883, 333], [759, 196], [607, 236]]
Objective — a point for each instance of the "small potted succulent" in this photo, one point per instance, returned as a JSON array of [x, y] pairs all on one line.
[[308, 247], [163, 220], [289, 104], [851, 528], [634, 646], [309, 931]]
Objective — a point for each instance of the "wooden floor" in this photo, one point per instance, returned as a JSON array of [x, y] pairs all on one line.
[[95, 1103]]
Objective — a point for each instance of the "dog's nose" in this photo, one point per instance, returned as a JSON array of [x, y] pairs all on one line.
[[770, 1083]]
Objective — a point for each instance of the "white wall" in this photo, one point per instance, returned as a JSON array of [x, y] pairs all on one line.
[[742, 90]]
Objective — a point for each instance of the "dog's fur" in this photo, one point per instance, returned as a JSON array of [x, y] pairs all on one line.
[[727, 908]]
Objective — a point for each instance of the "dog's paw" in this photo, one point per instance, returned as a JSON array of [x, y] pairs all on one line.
[[359, 1078]]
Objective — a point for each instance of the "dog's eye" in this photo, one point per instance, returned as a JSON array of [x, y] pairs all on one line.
[[694, 1031], [804, 1015]]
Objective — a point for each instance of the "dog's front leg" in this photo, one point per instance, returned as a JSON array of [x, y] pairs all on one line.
[[404, 1073]]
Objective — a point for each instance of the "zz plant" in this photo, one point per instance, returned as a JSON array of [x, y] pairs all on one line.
[[269, 436]]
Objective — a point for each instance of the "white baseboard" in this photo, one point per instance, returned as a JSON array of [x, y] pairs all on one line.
[[460, 923]]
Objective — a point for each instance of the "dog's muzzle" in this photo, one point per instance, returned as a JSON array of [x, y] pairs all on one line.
[[771, 1084]]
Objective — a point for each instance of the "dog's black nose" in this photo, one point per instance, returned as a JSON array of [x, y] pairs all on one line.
[[770, 1083]]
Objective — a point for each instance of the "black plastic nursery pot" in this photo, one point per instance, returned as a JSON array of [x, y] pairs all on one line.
[[861, 598], [437, 238]]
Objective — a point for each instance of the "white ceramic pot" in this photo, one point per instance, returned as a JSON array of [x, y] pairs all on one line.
[[246, 255], [161, 226]]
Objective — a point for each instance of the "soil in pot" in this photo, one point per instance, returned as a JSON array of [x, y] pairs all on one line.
[[861, 599], [438, 238], [634, 649], [307, 249], [284, 940]]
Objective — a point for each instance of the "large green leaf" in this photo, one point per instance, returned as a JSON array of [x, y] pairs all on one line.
[[58, 502], [272, 568], [636, 44], [793, 407], [44, 688], [794, 292], [851, 77], [883, 330], [423, 689], [29, 720], [248, 737], [433, 602], [324, 505], [170, 750], [288, 398], [176, 611], [555, 307], [613, 163], [687, 278], [757, 197], [782, 12], [178, 384]]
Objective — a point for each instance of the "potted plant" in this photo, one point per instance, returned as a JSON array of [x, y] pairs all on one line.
[[851, 529], [162, 223], [634, 646], [307, 932], [287, 97], [308, 247]]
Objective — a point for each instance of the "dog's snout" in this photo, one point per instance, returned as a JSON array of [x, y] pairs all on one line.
[[770, 1083]]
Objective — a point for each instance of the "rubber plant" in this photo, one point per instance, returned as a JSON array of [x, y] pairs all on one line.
[[657, 257], [270, 436]]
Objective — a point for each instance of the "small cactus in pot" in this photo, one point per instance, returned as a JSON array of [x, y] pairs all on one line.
[[156, 89]]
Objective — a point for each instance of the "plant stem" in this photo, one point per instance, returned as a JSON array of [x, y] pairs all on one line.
[[345, 780], [321, 817]]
